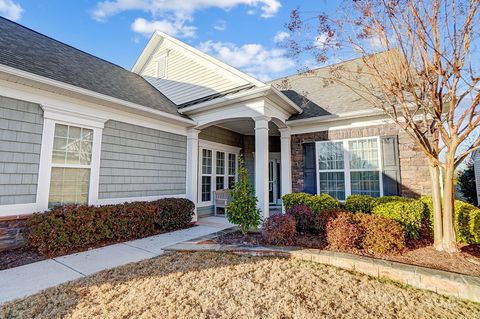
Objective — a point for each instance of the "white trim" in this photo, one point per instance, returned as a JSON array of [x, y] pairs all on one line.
[[110, 201], [18, 210], [76, 89], [218, 146], [346, 160]]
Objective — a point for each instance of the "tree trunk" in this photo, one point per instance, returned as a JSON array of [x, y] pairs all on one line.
[[449, 242], [437, 207]]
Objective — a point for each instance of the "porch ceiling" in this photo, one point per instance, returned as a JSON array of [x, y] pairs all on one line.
[[247, 127]]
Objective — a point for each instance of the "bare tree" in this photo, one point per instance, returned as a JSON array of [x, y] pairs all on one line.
[[419, 64]]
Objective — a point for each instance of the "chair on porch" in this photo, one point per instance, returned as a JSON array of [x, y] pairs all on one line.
[[220, 200]]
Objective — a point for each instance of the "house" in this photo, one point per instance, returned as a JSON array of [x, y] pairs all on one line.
[[476, 168], [78, 129]]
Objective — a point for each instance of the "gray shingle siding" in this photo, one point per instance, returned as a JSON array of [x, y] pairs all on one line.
[[21, 126], [138, 161], [220, 135]]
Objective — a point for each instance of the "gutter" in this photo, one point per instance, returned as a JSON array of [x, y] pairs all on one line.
[[76, 89]]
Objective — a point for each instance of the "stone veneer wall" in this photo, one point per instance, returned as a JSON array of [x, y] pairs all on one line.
[[414, 172]]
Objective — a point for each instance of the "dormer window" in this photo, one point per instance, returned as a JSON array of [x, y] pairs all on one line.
[[162, 63]]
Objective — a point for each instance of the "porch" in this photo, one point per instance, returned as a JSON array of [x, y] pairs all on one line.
[[251, 124]]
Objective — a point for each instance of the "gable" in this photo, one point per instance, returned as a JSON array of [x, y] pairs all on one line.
[[187, 74]]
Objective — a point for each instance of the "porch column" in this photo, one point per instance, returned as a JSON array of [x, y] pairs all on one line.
[[286, 161], [192, 168], [261, 163]]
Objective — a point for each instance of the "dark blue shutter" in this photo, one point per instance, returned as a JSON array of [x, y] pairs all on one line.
[[391, 166], [309, 169]]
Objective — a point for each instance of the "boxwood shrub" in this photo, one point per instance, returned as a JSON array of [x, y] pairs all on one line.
[[360, 203], [410, 214], [70, 228], [316, 203]]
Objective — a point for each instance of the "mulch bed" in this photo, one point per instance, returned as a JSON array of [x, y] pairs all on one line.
[[23, 256], [467, 261], [18, 257]]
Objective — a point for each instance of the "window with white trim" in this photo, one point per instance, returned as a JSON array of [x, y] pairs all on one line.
[[218, 171], [71, 165], [349, 167]]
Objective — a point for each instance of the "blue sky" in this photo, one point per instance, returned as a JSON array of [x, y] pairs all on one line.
[[239, 32]]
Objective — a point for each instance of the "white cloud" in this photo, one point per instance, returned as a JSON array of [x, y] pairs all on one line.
[[10, 10], [220, 25], [173, 28], [176, 15], [281, 36], [253, 59]]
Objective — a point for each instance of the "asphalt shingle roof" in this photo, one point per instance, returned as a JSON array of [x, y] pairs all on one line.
[[30, 51]]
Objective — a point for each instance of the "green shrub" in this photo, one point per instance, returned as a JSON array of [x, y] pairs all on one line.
[[71, 228], [242, 210], [380, 234], [410, 214], [303, 217], [360, 203], [343, 232], [316, 203], [292, 199], [389, 199], [279, 230], [467, 220]]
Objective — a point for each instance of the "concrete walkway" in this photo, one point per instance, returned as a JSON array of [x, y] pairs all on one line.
[[29, 279]]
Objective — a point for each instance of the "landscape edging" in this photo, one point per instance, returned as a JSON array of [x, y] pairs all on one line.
[[439, 281]]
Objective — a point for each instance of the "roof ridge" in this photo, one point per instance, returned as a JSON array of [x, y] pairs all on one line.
[[65, 44]]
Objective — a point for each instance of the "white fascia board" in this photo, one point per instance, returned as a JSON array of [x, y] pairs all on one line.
[[75, 89], [335, 117], [158, 35]]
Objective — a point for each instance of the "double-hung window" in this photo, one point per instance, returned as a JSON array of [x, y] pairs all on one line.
[[220, 169], [349, 167], [71, 165], [232, 169]]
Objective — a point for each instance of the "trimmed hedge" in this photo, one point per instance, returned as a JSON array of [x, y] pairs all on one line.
[[70, 228], [316, 203], [360, 203], [410, 214], [380, 234], [279, 230]]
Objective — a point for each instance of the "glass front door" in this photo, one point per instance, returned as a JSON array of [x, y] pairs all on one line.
[[274, 182]]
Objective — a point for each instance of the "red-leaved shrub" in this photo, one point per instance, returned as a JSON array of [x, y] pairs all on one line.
[[71, 228], [320, 220], [342, 232], [279, 230], [303, 216], [380, 234]]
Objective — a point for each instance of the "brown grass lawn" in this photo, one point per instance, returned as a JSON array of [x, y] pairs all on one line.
[[217, 285]]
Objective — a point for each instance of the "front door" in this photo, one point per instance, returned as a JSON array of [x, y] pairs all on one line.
[[274, 182]]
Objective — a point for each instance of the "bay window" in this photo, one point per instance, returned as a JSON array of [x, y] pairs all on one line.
[[349, 167]]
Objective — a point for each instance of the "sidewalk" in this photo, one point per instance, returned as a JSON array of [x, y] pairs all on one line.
[[29, 279]]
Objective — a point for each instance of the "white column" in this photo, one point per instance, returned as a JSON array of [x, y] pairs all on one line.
[[286, 161], [261, 163], [192, 168]]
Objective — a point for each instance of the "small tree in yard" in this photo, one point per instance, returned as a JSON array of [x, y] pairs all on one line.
[[466, 182], [242, 210], [426, 80]]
